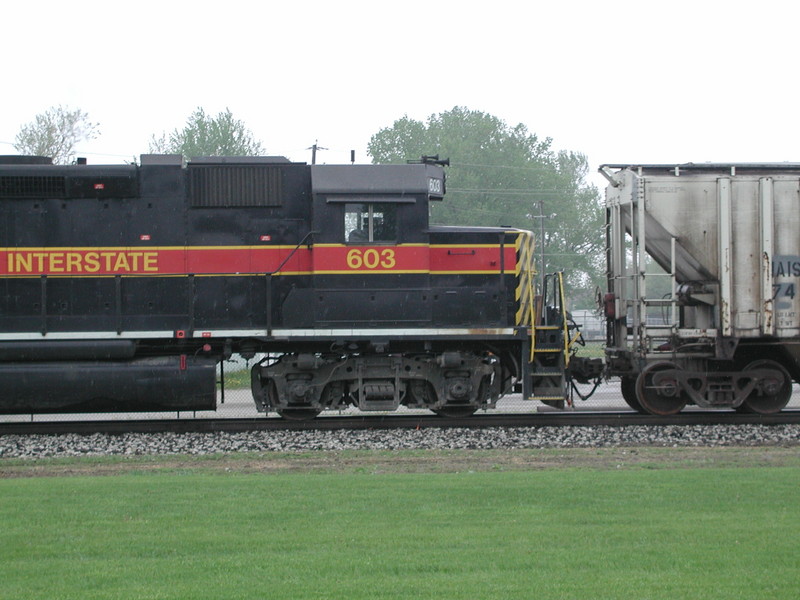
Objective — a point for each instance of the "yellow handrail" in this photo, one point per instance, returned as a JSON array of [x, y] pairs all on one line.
[[563, 300]]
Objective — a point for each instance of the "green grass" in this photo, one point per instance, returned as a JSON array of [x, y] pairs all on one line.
[[591, 350], [237, 379], [560, 533]]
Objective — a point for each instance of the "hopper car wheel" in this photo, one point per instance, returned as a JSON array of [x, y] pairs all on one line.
[[628, 389], [777, 392], [659, 396]]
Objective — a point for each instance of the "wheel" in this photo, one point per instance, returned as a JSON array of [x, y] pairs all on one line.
[[628, 388], [659, 394], [557, 404], [265, 394], [455, 411], [290, 413], [774, 391], [300, 413]]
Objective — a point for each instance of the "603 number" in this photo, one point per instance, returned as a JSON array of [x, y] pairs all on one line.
[[371, 258]]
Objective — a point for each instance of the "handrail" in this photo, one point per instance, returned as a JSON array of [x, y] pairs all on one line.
[[565, 325], [295, 249], [269, 279]]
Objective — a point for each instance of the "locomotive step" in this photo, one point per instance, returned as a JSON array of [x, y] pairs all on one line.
[[547, 398], [548, 392], [547, 372]]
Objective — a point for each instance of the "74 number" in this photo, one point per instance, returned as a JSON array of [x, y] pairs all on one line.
[[785, 290]]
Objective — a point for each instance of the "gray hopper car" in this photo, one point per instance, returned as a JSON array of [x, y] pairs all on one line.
[[727, 331]]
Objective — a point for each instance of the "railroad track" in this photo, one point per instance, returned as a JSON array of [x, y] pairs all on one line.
[[577, 419]]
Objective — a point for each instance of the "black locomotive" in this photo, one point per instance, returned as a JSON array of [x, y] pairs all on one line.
[[124, 287]]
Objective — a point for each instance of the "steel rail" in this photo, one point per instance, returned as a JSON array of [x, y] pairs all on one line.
[[386, 422]]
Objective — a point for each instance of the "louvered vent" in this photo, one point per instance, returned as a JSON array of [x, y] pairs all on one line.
[[32, 186], [235, 185]]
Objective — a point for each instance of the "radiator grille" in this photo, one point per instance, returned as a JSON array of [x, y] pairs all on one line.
[[235, 185], [32, 186]]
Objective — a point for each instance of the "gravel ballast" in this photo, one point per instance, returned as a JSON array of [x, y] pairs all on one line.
[[48, 446]]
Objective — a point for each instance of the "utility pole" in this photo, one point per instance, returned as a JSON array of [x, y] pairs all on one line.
[[541, 237], [541, 216], [314, 149]]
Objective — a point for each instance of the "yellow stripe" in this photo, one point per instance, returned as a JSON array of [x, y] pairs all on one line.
[[368, 272], [256, 274], [149, 275], [375, 244], [138, 248], [524, 292], [251, 247], [265, 246], [463, 272], [465, 245]]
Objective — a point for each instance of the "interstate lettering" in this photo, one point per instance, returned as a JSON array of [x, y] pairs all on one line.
[[91, 262]]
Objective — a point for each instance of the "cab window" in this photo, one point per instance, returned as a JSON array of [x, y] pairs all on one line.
[[370, 223]]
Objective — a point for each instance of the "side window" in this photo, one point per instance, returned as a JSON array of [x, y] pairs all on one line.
[[364, 223]]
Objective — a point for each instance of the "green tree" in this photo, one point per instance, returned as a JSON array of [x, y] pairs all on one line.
[[55, 133], [204, 135], [506, 175]]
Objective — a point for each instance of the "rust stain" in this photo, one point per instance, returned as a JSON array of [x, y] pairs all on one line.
[[768, 304]]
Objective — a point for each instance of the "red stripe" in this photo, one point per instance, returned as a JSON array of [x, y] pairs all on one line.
[[472, 259], [337, 259], [243, 260]]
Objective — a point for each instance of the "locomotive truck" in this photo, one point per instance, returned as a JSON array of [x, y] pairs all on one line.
[[125, 286]]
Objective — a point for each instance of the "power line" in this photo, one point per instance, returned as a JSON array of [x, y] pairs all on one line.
[[509, 192], [494, 213]]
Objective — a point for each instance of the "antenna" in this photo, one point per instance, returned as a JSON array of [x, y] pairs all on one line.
[[431, 160]]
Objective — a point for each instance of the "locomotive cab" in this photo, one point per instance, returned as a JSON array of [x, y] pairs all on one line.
[[373, 204]]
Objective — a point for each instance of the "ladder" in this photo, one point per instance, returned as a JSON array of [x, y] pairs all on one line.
[[549, 353]]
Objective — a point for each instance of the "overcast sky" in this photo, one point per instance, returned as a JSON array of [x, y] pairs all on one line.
[[618, 81]]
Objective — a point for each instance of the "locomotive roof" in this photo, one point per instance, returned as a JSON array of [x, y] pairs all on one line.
[[678, 167], [377, 179], [474, 228], [239, 160]]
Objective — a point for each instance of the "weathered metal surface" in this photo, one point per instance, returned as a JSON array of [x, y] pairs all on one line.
[[726, 236]]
